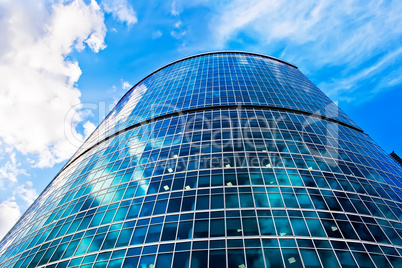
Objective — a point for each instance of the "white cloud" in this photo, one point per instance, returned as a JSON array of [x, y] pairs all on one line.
[[178, 24], [89, 127], [37, 88], [338, 86], [177, 6], [121, 10], [174, 10], [178, 34], [156, 34], [9, 214], [86, 27], [125, 85], [26, 192], [347, 33], [10, 170]]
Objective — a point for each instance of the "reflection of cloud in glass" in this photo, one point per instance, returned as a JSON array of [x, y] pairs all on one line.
[[120, 116]]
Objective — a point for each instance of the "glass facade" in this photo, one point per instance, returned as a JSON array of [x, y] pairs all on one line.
[[222, 159]]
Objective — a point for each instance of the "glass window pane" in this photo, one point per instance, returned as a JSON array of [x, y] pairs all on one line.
[[291, 257], [273, 257], [310, 258], [299, 227], [328, 258], [199, 259], [236, 258], [217, 258], [181, 259], [164, 260], [254, 258], [147, 261], [363, 259]]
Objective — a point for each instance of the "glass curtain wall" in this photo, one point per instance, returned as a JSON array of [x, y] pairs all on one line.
[[225, 159]]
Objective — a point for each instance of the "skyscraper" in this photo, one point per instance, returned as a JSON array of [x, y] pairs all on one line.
[[222, 159]]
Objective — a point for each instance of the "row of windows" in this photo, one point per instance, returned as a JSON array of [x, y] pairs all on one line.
[[282, 179], [159, 90], [212, 225], [287, 197], [269, 146], [184, 122], [257, 176], [272, 159], [132, 175], [337, 201], [191, 181], [230, 253]]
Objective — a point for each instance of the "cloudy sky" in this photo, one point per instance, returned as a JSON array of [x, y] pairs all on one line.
[[64, 63]]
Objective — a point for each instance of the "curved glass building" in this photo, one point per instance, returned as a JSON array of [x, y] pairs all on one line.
[[222, 159]]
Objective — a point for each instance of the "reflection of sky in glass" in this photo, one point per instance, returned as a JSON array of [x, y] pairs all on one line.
[[133, 99], [238, 187], [220, 79]]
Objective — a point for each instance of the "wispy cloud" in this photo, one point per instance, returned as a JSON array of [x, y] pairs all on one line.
[[178, 34], [177, 6], [349, 35], [174, 10], [179, 31], [337, 87], [157, 34], [125, 85], [178, 24], [121, 10], [340, 26]]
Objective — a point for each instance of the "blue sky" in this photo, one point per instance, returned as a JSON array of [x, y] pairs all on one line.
[[64, 64]]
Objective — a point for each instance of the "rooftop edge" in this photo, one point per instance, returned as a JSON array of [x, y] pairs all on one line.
[[204, 54]]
